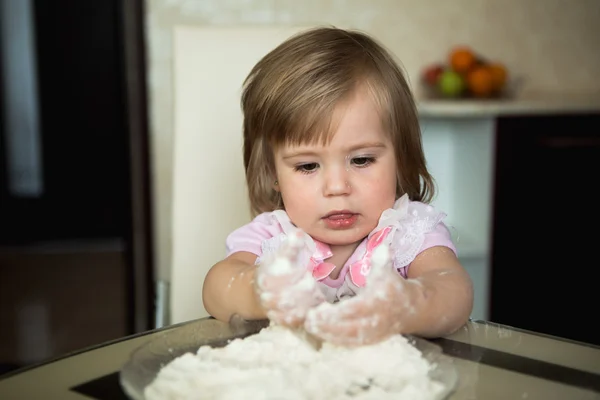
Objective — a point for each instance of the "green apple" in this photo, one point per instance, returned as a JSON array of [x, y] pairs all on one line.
[[451, 84]]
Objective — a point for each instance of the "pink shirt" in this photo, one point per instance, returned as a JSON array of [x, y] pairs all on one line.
[[414, 228]]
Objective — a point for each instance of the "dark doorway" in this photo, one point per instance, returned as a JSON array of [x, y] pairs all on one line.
[[75, 253]]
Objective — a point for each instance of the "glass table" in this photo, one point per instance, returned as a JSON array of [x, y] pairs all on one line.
[[493, 362]]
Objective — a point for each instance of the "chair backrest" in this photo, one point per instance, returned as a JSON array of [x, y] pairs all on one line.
[[209, 190]]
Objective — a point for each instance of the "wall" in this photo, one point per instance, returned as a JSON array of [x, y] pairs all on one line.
[[551, 44]]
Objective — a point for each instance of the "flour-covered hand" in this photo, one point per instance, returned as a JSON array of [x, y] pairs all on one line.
[[285, 285], [382, 309]]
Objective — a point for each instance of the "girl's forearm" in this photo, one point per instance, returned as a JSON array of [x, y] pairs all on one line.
[[229, 289], [443, 300]]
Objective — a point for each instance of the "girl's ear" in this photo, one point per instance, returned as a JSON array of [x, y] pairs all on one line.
[[276, 185]]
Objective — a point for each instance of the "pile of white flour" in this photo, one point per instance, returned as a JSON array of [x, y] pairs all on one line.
[[278, 364]]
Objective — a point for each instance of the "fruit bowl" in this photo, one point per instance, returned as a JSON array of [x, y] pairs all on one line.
[[467, 75]]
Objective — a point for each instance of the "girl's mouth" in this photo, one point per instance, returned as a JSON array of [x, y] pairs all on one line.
[[339, 220]]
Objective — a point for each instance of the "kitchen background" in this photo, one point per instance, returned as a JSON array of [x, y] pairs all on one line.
[[551, 46]]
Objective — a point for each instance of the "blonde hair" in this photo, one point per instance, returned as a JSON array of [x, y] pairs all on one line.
[[290, 95]]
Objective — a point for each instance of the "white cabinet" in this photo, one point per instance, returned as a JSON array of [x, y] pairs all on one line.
[[460, 156], [209, 196]]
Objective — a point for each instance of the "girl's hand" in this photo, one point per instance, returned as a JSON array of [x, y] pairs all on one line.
[[285, 286], [382, 309]]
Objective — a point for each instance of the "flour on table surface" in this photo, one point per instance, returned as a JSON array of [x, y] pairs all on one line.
[[277, 363]]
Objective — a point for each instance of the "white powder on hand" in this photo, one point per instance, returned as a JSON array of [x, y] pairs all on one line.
[[278, 363], [280, 266]]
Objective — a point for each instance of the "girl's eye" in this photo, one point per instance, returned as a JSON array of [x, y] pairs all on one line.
[[306, 168], [363, 161]]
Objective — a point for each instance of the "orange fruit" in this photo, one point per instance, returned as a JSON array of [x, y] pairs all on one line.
[[499, 76], [480, 81], [462, 59]]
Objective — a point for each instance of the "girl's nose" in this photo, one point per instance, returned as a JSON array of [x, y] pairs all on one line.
[[337, 182]]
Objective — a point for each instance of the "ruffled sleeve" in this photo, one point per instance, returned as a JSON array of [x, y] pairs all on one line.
[[251, 236], [265, 234], [416, 227]]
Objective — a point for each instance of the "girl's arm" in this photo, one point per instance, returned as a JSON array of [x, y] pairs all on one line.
[[284, 290], [434, 301], [443, 293], [229, 289]]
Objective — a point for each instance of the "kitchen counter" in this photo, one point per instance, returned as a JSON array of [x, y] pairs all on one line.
[[531, 104], [493, 362]]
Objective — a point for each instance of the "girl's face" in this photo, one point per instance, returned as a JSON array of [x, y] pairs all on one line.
[[336, 193]]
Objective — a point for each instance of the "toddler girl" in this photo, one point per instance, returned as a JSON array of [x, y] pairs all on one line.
[[339, 188]]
